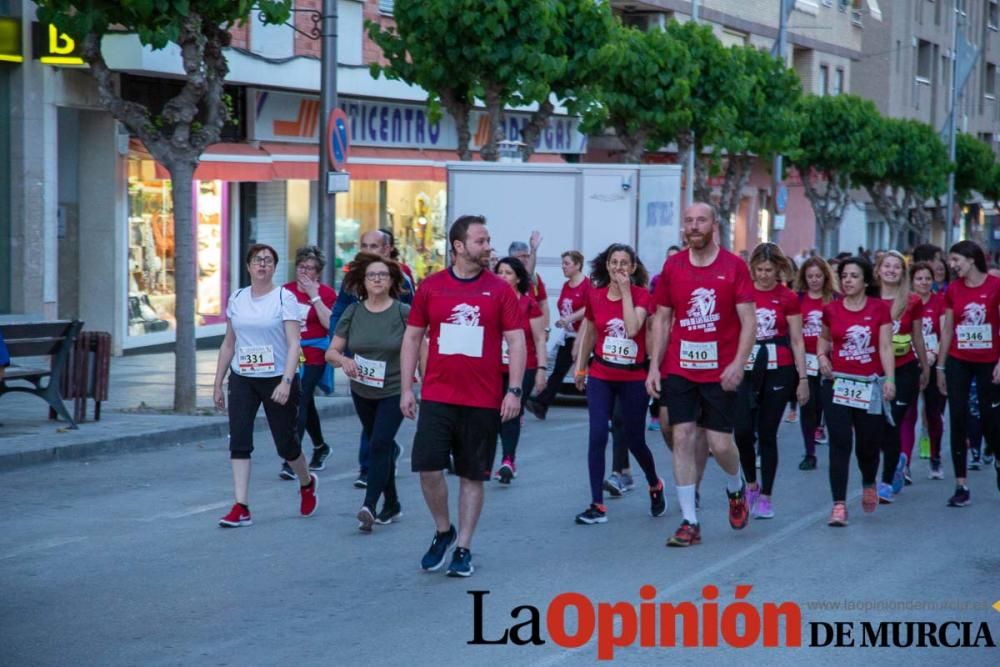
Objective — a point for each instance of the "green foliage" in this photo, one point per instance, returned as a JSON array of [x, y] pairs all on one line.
[[974, 165], [915, 158], [991, 189], [837, 137]]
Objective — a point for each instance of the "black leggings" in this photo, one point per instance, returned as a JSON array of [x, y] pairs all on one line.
[[308, 416], [811, 416], [510, 430], [619, 444], [380, 420], [564, 359], [245, 397], [959, 376], [845, 425], [907, 393], [761, 413]]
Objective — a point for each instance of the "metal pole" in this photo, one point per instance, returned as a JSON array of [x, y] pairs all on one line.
[[949, 229], [689, 172], [778, 162], [326, 211]]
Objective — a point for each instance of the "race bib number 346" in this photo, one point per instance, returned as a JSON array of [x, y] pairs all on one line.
[[699, 356], [974, 336]]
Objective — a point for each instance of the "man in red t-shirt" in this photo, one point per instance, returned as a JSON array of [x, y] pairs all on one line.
[[466, 312], [705, 295]]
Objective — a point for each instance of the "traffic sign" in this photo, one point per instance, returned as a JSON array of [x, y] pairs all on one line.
[[782, 199], [338, 139]]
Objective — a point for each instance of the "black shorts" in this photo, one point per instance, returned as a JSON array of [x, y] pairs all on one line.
[[468, 434], [704, 403]]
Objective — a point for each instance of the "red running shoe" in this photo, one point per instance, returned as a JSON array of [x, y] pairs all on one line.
[[687, 535], [236, 518], [309, 498], [739, 511]]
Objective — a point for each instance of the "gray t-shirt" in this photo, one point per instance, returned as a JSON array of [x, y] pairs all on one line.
[[375, 339]]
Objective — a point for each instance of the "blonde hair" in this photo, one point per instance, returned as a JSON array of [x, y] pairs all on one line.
[[903, 292], [769, 252], [829, 284]]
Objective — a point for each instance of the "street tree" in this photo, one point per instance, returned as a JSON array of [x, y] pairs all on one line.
[[974, 162], [458, 50], [991, 190], [835, 142], [644, 90], [179, 132], [915, 170]]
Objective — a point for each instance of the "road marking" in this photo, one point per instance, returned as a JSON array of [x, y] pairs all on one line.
[[201, 509], [50, 543], [664, 594]]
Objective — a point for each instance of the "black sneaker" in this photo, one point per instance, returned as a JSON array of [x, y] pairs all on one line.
[[318, 461], [657, 501], [808, 463], [593, 514], [536, 408], [286, 471], [976, 459], [389, 514], [961, 498], [461, 563], [362, 481], [434, 558]]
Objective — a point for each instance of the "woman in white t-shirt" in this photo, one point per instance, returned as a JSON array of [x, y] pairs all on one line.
[[261, 351]]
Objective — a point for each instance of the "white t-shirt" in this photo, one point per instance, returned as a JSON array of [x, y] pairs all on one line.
[[259, 325]]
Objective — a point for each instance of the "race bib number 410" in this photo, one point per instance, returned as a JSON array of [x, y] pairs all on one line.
[[699, 356]]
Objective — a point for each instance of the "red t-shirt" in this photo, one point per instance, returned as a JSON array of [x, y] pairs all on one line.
[[855, 336], [706, 326], [773, 308], [931, 317], [465, 321], [311, 327], [529, 310], [405, 269], [904, 325], [976, 312], [572, 299], [537, 291], [611, 341], [812, 320]]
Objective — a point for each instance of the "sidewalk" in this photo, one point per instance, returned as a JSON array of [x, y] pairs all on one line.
[[135, 416]]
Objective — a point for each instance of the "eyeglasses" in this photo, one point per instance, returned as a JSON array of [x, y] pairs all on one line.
[[377, 275], [307, 267], [262, 261]]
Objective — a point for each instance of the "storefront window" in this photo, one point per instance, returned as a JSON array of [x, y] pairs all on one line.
[[414, 210], [151, 263]]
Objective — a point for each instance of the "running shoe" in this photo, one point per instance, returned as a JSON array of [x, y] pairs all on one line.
[[318, 460], [821, 437], [613, 485], [362, 481], [236, 518], [975, 459], [988, 458], [536, 408], [961, 498], [286, 471], [593, 514], [508, 470], [389, 514], [461, 563], [936, 470], [763, 509], [925, 447], [885, 493], [688, 534], [434, 558], [657, 500], [753, 493], [898, 480], [838, 517], [654, 425], [739, 511], [366, 519], [793, 416], [808, 462], [907, 477], [869, 499], [627, 482], [309, 498]]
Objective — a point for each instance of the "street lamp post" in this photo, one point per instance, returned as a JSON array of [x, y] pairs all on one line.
[[326, 212]]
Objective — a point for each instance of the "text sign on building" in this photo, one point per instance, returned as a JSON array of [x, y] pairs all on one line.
[[10, 40], [55, 48], [382, 124]]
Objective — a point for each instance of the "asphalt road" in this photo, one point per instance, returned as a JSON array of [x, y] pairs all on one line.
[[119, 561]]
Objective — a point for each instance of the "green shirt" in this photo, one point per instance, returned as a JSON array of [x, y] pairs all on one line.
[[377, 337]]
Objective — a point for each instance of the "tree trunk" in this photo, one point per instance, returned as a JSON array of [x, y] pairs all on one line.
[[459, 110], [185, 271], [490, 151], [634, 144], [534, 128], [737, 173]]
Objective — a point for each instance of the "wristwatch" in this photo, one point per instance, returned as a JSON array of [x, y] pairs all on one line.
[[287, 380], [516, 391]]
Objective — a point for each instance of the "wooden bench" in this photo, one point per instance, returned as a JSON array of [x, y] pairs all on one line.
[[39, 339]]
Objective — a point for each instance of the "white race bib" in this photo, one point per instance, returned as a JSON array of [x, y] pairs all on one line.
[[974, 336], [931, 342], [699, 356], [256, 360], [622, 351], [772, 357], [458, 339], [504, 352], [304, 309], [852, 393], [812, 364], [371, 373]]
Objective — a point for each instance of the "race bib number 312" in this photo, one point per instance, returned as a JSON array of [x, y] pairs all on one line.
[[852, 393]]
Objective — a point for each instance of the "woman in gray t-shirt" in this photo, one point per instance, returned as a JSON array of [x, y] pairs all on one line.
[[373, 330]]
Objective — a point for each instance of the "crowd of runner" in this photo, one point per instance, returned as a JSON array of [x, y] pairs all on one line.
[[865, 355]]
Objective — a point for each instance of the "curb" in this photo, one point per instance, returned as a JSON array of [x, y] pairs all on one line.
[[148, 440]]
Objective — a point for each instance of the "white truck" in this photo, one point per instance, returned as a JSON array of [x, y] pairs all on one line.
[[583, 207]]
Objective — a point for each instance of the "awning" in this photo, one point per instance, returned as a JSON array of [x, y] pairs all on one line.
[[293, 161], [234, 162]]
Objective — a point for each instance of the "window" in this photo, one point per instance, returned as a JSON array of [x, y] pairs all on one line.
[[925, 51], [824, 80], [990, 83], [838, 82], [385, 6], [734, 38], [993, 14]]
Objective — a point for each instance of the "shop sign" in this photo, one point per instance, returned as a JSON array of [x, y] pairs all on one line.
[[55, 48], [10, 40], [380, 124]]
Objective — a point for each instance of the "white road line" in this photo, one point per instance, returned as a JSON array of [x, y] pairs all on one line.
[[50, 543], [201, 509]]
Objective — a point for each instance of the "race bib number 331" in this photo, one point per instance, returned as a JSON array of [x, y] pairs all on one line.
[[256, 359]]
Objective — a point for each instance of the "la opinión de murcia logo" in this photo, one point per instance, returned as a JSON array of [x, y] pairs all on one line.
[[710, 623]]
